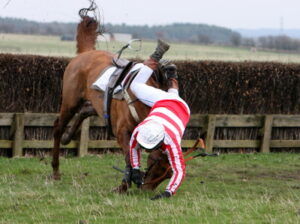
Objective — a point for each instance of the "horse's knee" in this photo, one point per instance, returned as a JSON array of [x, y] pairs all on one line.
[[87, 110]]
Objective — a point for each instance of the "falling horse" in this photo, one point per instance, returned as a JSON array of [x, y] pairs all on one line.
[[78, 97]]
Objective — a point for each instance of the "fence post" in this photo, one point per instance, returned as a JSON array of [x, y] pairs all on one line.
[[209, 141], [18, 127], [84, 137], [267, 132]]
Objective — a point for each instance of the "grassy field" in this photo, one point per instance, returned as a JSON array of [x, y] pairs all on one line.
[[232, 188], [53, 46]]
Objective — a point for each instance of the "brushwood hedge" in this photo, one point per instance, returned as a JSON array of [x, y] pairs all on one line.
[[33, 84]]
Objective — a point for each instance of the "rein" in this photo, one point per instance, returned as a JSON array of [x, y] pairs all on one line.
[[189, 151]]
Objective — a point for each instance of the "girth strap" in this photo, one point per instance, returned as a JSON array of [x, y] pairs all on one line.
[[115, 90], [114, 81], [130, 106]]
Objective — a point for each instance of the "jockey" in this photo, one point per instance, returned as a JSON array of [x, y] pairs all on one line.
[[164, 126]]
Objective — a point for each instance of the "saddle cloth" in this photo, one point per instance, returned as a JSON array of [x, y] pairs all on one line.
[[102, 82]]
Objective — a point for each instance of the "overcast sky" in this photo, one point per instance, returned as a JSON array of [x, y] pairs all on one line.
[[227, 13]]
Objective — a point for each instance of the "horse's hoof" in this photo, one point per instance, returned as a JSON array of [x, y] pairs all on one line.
[[121, 189], [55, 176], [65, 139]]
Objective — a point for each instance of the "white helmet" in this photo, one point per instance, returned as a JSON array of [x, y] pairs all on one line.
[[151, 134]]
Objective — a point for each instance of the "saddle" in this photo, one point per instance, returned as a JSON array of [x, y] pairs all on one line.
[[114, 89]]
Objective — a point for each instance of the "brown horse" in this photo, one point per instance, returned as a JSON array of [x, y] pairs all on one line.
[[78, 97]]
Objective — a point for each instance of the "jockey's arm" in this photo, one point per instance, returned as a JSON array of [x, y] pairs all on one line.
[[135, 153], [135, 160], [176, 161]]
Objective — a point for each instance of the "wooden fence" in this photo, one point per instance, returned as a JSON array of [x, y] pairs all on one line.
[[18, 121]]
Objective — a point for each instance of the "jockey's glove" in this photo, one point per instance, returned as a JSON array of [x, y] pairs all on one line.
[[165, 194], [136, 177], [171, 71], [127, 175]]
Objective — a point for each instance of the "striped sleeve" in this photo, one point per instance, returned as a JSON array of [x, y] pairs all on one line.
[[176, 160], [135, 153]]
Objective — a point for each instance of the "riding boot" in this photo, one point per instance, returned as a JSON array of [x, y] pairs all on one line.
[[161, 48]]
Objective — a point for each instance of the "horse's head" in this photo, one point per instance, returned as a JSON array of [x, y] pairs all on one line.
[[158, 169]]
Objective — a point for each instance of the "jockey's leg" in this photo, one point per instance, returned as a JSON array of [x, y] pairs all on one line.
[[147, 94], [161, 48], [151, 63], [150, 95]]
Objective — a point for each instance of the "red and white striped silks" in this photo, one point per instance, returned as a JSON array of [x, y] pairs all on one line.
[[174, 115]]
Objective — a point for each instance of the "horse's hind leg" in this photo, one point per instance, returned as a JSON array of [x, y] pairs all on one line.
[[86, 111], [66, 114]]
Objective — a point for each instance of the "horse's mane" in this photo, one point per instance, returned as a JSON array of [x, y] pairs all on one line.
[[88, 29]]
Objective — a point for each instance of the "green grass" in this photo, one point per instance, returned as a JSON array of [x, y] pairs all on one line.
[[232, 188], [53, 46]]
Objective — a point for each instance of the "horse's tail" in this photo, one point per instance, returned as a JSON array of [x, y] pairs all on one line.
[[86, 34]]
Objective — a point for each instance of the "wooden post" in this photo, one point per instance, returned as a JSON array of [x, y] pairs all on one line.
[[211, 122], [84, 138], [18, 137], [267, 131]]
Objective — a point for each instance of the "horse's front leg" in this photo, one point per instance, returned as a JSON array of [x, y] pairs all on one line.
[[86, 111], [123, 140]]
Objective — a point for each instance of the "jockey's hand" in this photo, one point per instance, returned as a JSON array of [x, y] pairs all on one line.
[[165, 194], [171, 71], [136, 177]]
